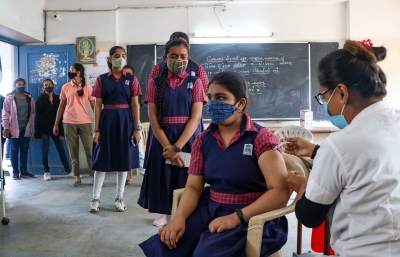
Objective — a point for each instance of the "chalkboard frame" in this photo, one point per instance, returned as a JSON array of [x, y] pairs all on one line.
[[155, 53]]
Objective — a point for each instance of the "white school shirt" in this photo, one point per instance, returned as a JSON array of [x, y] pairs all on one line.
[[358, 169]]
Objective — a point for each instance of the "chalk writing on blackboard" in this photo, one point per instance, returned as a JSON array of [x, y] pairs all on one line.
[[277, 74], [258, 65]]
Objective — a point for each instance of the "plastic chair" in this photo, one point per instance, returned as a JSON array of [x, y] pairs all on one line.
[[294, 131], [143, 140], [320, 235], [256, 223], [145, 133]]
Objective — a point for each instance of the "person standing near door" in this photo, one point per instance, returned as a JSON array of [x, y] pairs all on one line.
[[75, 96], [3, 139], [18, 117], [46, 111]]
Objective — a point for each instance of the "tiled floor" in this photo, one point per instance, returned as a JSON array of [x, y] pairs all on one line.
[[51, 219]]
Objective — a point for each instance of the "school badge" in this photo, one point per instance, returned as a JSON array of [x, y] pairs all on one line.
[[248, 149]]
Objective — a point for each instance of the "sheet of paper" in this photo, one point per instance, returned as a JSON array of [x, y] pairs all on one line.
[[101, 58], [185, 157], [93, 72]]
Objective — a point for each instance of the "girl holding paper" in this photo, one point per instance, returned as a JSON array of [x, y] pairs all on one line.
[[175, 100]]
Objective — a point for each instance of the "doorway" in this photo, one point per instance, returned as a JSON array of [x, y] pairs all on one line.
[[7, 68]]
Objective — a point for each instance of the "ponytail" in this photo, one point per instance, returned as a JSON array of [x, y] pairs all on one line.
[[80, 92], [160, 90], [109, 63], [79, 67]]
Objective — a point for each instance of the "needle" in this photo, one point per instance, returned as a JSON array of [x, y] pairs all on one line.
[[281, 144]]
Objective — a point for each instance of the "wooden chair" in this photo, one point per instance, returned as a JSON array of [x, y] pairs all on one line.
[[256, 223]]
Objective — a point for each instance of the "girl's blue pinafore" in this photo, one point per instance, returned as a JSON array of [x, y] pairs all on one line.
[[116, 152], [228, 171], [161, 179], [191, 69]]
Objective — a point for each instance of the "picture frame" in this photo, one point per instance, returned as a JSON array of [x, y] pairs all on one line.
[[86, 50]]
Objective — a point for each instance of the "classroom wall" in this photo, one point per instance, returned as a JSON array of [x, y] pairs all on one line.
[[287, 22], [100, 24], [290, 21], [22, 19], [118, 22], [379, 21]]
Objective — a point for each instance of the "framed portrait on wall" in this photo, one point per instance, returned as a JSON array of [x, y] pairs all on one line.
[[86, 50]]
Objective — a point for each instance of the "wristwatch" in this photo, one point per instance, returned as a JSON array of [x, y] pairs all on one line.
[[177, 149], [138, 128], [239, 213]]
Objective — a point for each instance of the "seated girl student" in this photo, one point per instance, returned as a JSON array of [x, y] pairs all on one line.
[[175, 102], [18, 120], [246, 176], [356, 173], [46, 111]]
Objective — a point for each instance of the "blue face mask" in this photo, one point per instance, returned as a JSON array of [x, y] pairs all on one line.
[[337, 120], [219, 111], [20, 89]]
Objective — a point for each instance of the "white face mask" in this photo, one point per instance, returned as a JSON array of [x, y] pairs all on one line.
[[119, 63]]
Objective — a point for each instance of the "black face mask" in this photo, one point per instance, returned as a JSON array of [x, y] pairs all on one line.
[[72, 75], [48, 89]]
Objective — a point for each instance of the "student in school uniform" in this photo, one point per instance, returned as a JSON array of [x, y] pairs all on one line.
[[75, 96], [117, 127], [356, 175], [175, 101], [129, 69], [192, 68], [247, 177], [46, 110]]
